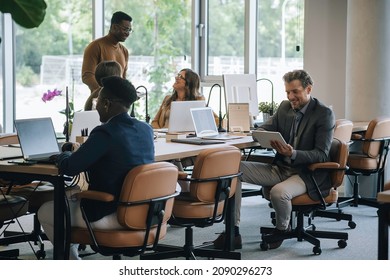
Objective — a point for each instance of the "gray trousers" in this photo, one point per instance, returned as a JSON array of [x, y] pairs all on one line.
[[280, 184]]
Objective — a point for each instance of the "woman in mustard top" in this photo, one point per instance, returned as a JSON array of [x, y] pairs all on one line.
[[185, 88]]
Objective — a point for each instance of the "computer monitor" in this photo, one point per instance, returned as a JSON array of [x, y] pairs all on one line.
[[84, 120], [180, 119], [242, 88]]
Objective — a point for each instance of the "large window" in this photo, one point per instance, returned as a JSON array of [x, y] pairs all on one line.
[[49, 57], [159, 46], [1, 77], [225, 50], [280, 45], [168, 35]]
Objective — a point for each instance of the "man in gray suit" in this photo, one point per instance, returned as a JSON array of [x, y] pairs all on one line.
[[307, 126]]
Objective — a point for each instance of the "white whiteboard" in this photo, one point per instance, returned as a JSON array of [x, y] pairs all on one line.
[[242, 88]]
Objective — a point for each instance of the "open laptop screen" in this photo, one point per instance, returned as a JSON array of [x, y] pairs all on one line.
[[37, 138], [204, 122]]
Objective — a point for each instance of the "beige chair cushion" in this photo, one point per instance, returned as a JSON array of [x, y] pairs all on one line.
[[116, 238], [141, 183]]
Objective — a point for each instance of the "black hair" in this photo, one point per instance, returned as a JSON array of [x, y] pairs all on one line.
[[117, 17], [118, 89]]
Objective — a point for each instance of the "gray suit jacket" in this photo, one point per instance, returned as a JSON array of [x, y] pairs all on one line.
[[314, 138]]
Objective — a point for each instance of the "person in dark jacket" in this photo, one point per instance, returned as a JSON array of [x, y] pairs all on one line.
[[110, 152], [307, 126]]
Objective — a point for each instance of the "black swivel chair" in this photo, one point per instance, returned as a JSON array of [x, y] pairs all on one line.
[[11, 207]]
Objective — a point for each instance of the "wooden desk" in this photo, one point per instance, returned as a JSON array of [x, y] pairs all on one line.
[[359, 126], [49, 173], [46, 172], [171, 150]]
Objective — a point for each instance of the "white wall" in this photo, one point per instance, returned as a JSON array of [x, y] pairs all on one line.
[[325, 51]]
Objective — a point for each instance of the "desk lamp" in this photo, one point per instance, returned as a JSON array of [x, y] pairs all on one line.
[[220, 119], [272, 94], [67, 113], [141, 94]]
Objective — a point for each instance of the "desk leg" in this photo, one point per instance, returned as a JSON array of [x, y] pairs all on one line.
[[383, 232], [229, 224], [59, 221]]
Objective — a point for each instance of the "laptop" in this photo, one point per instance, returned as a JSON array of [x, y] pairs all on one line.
[[197, 141], [37, 139], [205, 127], [84, 120], [180, 119]]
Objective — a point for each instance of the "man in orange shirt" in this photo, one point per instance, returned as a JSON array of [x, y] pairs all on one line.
[[107, 48]]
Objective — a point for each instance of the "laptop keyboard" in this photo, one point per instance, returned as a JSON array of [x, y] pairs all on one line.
[[197, 141]]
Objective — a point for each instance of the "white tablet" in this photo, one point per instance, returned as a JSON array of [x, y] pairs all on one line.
[[264, 137]]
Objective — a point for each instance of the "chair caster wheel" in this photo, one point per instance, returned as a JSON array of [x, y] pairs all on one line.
[[342, 243], [264, 246], [352, 224], [40, 255], [317, 250]]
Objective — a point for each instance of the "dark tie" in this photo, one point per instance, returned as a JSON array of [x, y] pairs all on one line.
[[293, 133]]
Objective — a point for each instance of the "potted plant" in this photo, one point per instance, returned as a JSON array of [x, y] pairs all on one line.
[[27, 13], [268, 109]]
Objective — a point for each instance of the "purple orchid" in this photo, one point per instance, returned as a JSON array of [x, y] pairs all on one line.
[[49, 95]]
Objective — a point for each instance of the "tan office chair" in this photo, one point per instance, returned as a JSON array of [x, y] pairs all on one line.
[[369, 160], [383, 199], [343, 132], [212, 183], [144, 207], [11, 207], [304, 204]]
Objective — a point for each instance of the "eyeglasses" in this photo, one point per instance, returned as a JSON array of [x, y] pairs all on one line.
[[180, 76], [126, 29]]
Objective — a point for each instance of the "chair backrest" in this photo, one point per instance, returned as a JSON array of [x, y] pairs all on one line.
[[145, 182], [343, 130], [377, 128], [211, 163], [11, 206], [338, 153]]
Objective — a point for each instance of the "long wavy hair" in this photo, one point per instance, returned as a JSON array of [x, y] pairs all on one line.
[[192, 87]]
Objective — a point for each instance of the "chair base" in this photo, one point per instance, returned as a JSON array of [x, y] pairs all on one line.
[[36, 236], [169, 252], [189, 251], [356, 201], [300, 232], [12, 254], [336, 214]]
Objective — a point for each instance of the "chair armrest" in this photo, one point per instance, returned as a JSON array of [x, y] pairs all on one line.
[[182, 175], [386, 187], [384, 196], [360, 138], [356, 136], [324, 166], [96, 195]]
